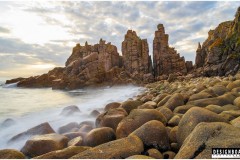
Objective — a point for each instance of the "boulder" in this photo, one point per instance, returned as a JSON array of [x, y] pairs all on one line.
[[139, 157], [69, 110], [166, 112], [67, 128], [121, 148], [173, 134], [11, 154], [41, 129], [72, 135], [183, 109], [174, 121], [99, 136], [154, 153], [90, 123], [112, 105], [136, 119], [215, 108], [176, 100], [206, 136], [219, 89], [148, 105], [77, 141], [169, 155], [94, 113], [159, 97], [85, 128], [191, 118], [111, 118], [42, 144], [153, 134], [230, 107], [63, 154], [163, 101], [130, 105], [233, 85], [237, 102], [236, 122], [200, 95]]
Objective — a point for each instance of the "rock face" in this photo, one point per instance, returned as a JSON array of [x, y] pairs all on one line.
[[136, 58], [166, 60], [219, 54]]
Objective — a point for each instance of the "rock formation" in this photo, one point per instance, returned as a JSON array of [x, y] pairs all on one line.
[[220, 53], [166, 60], [136, 58]]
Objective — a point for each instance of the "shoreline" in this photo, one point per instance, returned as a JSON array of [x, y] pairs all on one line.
[[163, 110]]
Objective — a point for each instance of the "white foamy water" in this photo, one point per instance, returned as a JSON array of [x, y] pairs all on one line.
[[31, 107]]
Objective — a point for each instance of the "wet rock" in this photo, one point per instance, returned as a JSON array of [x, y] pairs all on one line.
[[7, 123], [85, 128], [72, 135], [206, 136], [68, 127], [95, 113], [194, 116], [63, 154], [15, 80], [11, 154], [41, 129], [112, 105], [77, 141], [136, 119], [121, 148], [69, 110], [99, 136], [42, 144], [154, 153], [153, 134], [130, 105]]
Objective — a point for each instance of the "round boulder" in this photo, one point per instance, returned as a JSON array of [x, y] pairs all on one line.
[[112, 105], [153, 134], [154, 153], [78, 141], [99, 136], [11, 154], [69, 110], [136, 119], [139, 157], [42, 144], [176, 100], [237, 102], [67, 128], [130, 105]]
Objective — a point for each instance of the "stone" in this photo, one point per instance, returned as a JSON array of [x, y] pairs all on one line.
[[11, 154], [174, 121], [236, 122], [174, 147], [215, 108], [206, 136], [85, 128], [99, 136], [42, 144], [136, 119], [191, 118], [218, 55], [166, 112], [166, 60], [182, 109], [112, 105], [173, 134], [153, 134], [66, 128], [94, 113], [41, 129], [111, 118], [64, 153], [237, 102], [154, 153], [219, 89], [233, 84], [169, 155], [230, 107], [72, 135], [136, 58], [130, 105], [176, 100], [139, 157], [69, 110], [159, 97], [77, 141], [15, 80], [200, 95], [163, 101], [121, 148]]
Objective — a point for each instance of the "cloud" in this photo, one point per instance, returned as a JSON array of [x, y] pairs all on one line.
[[60, 24]]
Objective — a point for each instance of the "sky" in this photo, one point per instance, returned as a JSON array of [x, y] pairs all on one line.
[[36, 36]]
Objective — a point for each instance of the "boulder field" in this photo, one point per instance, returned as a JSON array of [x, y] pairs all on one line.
[[180, 119]]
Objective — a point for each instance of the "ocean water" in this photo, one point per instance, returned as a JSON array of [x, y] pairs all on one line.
[[31, 107]]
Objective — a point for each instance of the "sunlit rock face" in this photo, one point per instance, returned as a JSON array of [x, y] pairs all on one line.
[[136, 58], [166, 60], [219, 55]]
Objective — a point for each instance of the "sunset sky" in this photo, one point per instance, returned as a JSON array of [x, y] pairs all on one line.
[[36, 36]]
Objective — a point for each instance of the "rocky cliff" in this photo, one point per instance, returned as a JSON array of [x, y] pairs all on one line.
[[166, 60], [219, 55], [136, 58]]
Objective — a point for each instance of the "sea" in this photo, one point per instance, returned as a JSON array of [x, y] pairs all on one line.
[[31, 107]]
